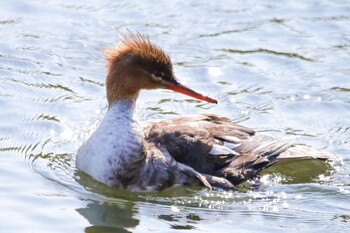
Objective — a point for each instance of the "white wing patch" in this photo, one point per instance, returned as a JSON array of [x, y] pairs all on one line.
[[231, 145], [221, 150], [232, 139]]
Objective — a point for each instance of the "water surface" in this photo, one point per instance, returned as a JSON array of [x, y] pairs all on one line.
[[282, 68]]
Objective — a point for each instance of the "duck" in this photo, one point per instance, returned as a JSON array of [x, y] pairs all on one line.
[[206, 150]]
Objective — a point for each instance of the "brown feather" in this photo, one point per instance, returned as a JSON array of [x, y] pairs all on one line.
[[189, 140], [137, 44]]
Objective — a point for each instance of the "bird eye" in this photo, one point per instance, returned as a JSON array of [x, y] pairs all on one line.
[[158, 74]]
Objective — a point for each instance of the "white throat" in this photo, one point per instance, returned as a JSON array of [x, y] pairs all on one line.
[[113, 153]]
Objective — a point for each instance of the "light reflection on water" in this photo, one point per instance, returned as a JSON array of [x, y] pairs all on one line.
[[281, 68]]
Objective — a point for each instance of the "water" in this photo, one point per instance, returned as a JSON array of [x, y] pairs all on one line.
[[282, 68]]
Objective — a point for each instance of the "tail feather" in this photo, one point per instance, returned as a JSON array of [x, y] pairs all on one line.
[[301, 152], [248, 165]]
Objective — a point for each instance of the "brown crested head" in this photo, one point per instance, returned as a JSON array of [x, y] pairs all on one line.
[[139, 48], [138, 64]]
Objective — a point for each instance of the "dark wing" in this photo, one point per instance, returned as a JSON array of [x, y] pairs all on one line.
[[255, 153], [214, 146], [161, 171]]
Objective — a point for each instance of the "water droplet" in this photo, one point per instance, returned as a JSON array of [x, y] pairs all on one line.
[[285, 205], [175, 208], [283, 195], [306, 97], [244, 112], [214, 71]]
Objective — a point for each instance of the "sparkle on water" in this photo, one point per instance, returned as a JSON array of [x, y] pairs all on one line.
[[282, 68]]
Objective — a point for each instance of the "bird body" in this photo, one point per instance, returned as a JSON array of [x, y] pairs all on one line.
[[206, 150]]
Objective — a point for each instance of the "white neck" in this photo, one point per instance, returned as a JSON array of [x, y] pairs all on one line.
[[114, 150]]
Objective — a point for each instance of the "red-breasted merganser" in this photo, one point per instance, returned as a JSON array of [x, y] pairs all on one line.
[[206, 150]]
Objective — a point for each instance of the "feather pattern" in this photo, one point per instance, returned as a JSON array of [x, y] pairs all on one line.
[[200, 142]]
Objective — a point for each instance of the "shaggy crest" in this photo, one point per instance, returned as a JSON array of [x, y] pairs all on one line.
[[135, 43]]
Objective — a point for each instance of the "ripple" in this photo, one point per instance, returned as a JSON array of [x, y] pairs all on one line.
[[11, 21], [267, 51]]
